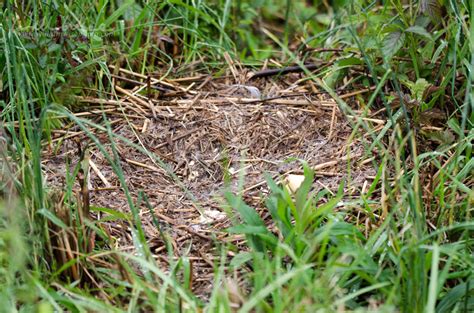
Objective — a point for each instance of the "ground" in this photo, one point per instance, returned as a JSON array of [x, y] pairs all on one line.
[[207, 132]]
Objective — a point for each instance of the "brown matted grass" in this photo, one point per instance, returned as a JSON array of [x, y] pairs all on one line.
[[209, 132]]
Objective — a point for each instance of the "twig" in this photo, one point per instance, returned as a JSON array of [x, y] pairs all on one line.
[[284, 70], [99, 174]]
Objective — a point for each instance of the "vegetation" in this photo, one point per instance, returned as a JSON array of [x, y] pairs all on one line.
[[414, 253]]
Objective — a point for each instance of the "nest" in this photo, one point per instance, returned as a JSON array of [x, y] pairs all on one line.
[[180, 147]]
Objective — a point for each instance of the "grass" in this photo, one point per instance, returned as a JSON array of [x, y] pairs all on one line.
[[415, 254]]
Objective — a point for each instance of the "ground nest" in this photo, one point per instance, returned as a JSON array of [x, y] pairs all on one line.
[[207, 132]]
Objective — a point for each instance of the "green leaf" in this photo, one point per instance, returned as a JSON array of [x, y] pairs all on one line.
[[240, 259], [392, 43], [454, 125], [432, 8], [419, 31], [274, 188], [275, 284], [247, 229], [457, 296], [335, 75], [52, 217], [303, 191], [248, 214], [280, 212], [438, 51], [422, 20], [114, 213], [132, 13], [54, 47], [253, 226], [342, 229], [121, 10], [347, 62], [417, 88]]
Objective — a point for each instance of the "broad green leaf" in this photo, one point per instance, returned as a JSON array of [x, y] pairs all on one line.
[[272, 185], [253, 226], [345, 229], [454, 125], [392, 43], [335, 75], [133, 12], [419, 31]]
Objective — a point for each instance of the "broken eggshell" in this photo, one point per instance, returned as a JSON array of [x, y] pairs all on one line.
[[293, 182]]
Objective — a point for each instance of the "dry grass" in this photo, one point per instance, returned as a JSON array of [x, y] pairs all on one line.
[[208, 136]]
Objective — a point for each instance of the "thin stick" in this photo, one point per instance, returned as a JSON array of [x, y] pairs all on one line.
[[333, 121], [133, 97], [284, 70], [99, 174]]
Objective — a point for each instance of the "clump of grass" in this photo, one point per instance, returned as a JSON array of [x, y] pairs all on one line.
[[317, 260]]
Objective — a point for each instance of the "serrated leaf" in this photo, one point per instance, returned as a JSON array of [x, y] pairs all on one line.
[[431, 8], [392, 43], [418, 89], [415, 29]]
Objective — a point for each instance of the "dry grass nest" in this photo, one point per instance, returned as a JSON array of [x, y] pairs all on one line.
[[208, 133]]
